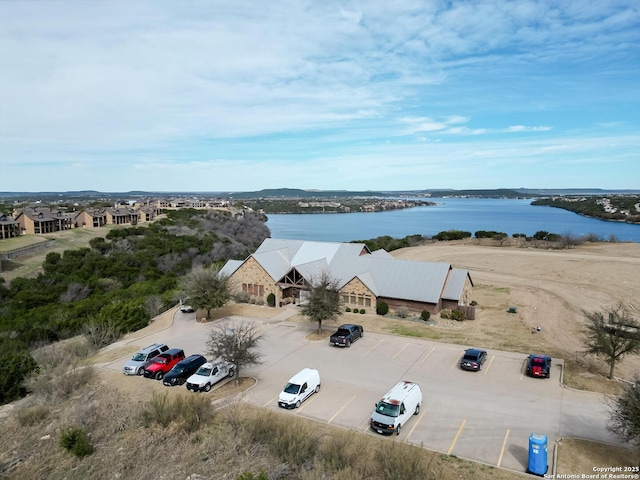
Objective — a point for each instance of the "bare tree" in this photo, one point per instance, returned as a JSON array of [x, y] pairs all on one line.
[[235, 343], [207, 289], [324, 301], [501, 239], [612, 334], [624, 413]]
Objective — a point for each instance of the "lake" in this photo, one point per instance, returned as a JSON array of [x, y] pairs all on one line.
[[469, 214]]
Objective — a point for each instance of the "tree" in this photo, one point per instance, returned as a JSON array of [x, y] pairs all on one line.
[[612, 334], [235, 343], [206, 289], [624, 413], [324, 301]]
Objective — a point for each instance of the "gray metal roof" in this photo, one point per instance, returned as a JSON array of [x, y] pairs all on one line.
[[380, 272], [230, 267], [455, 284]]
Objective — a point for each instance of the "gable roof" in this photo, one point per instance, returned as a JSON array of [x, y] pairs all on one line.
[[384, 275]]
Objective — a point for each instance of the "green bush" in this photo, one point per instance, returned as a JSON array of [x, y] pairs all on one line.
[[76, 441], [362, 311], [348, 309], [355, 310], [271, 300], [425, 315], [252, 476], [382, 308], [445, 313], [458, 315]]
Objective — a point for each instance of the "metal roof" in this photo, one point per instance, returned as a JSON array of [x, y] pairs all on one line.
[[384, 275], [455, 284]]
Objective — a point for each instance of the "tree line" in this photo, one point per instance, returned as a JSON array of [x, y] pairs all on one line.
[[116, 284]]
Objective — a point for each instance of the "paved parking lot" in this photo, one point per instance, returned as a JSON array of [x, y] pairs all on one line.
[[485, 416]]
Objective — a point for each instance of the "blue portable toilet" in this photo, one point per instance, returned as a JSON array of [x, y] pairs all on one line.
[[537, 455]]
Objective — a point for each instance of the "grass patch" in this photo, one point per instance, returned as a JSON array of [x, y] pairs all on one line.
[[580, 456], [409, 332], [187, 412]]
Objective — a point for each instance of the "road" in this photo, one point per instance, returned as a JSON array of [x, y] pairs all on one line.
[[486, 416]]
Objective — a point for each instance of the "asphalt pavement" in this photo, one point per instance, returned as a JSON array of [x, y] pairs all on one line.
[[486, 416]]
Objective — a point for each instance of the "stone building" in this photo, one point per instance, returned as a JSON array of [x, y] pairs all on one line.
[[287, 268]]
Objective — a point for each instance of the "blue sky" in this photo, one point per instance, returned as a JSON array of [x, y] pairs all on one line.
[[372, 95]]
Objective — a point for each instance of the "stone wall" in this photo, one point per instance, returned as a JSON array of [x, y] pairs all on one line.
[[252, 273]]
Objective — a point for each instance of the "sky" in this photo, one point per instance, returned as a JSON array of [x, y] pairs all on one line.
[[216, 96]]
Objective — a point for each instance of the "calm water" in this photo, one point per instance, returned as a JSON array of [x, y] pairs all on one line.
[[468, 214]]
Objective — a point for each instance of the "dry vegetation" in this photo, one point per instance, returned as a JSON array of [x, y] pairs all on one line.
[[159, 432]]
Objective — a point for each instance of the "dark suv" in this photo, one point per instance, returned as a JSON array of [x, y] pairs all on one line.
[[183, 370]]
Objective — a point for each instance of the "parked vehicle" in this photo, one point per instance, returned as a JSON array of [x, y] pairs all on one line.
[[183, 370], [143, 358], [300, 387], [473, 359], [396, 408], [346, 335], [162, 363], [209, 374], [539, 366], [186, 309]]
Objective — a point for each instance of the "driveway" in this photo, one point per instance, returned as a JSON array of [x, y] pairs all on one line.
[[486, 416]]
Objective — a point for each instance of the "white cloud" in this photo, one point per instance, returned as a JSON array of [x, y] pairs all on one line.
[[153, 84]]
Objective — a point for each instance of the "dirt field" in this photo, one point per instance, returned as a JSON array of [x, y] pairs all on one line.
[[550, 288]]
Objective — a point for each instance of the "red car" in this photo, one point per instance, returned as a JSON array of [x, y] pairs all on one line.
[[539, 366], [162, 363]]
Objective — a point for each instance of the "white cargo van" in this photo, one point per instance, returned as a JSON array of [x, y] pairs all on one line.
[[396, 408], [301, 386]]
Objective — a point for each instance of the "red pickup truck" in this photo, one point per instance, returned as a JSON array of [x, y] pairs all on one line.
[[162, 363]]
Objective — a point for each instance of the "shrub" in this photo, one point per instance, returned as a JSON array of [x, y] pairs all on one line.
[[348, 309], [188, 411], [76, 441], [382, 308], [425, 315], [362, 311], [101, 332], [32, 415], [473, 303], [402, 312], [271, 300], [355, 310], [458, 315], [445, 313], [243, 297]]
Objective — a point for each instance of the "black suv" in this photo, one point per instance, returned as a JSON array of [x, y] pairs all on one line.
[[473, 359], [183, 370]]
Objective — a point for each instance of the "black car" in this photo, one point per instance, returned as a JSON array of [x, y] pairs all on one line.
[[183, 370], [473, 359], [539, 366]]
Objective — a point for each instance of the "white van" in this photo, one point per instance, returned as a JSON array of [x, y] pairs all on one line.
[[396, 408], [301, 386]]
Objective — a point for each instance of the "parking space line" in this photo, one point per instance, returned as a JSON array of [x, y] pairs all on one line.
[[424, 359], [308, 401], [504, 444], [372, 348], [523, 369], [342, 408], [489, 366], [400, 351], [457, 362], [415, 425], [455, 439], [271, 401]]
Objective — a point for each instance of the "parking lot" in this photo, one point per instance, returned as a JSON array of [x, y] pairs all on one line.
[[485, 416]]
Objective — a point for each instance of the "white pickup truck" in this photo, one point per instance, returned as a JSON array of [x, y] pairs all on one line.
[[209, 374]]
